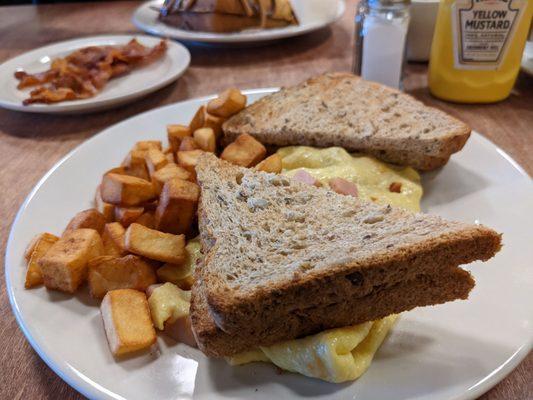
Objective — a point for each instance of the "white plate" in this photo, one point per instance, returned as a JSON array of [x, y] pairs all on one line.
[[527, 58], [454, 351], [311, 14], [134, 85]]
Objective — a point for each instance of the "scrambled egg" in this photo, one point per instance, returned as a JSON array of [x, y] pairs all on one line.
[[342, 354], [168, 303], [373, 178]]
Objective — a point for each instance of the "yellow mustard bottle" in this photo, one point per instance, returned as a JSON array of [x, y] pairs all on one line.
[[477, 48]]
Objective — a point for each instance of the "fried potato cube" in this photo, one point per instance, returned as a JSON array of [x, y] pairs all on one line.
[[202, 119], [155, 159], [147, 219], [108, 273], [182, 275], [148, 144], [117, 170], [228, 103], [113, 239], [188, 144], [128, 215], [90, 219], [135, 164], [39, 248], [125, 190], [155, 245], [169, 154], [127, 321], [176, 133], [177, 206], [244, 151], [197, 120], [271, 164], [31, 246], [189, 159], [205, 139], [64, 266], [106, 209], [168, 172]]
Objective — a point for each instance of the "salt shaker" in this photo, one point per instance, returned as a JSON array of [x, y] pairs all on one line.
[[380, 36]]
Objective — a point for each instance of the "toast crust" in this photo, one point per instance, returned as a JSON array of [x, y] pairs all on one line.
[[349, 268], [340, 109]]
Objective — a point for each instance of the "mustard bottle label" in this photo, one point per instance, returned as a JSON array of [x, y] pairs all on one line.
[[483, 31]]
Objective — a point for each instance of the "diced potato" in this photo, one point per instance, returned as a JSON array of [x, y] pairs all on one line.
[[198, 119], [168, 303], [175, 134], [213, 122], [39, 248], [189, 159], [109, 273], [169, 154], [127, 321], [342, 186], [113, 239], [188, 144], [155, 159], [229, 102], [155, 245], [202, 119], [90, 219], [182, 275], [148, 144], [244, 151], [135, 164], [126, 190], [106, 209], [64, 266], [169, 171], [117, 170], [181, 331], [31, 246], [271, 164], [205, 139], [147, 219], [177, 206], [128, 215]]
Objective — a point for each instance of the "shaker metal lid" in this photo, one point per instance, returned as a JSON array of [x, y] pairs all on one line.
[[378, 3]]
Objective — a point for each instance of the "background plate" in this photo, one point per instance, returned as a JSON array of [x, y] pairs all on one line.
[[312, 15], [453, 351], [134, 85]]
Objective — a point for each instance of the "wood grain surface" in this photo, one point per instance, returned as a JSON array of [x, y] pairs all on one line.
[[31, 144]]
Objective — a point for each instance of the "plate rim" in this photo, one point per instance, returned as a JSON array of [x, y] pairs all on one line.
[[93, 389], [96, 104], [217, 38]]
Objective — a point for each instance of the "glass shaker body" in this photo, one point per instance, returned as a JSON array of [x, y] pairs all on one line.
[[380, 37]]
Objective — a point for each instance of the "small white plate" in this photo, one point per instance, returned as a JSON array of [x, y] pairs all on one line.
[[527, 58], [118, 91], [453, 351], [311, 14]]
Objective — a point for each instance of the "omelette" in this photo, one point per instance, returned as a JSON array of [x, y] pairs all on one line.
[[340, 354]]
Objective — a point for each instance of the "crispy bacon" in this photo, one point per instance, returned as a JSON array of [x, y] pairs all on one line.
[[83, 73]]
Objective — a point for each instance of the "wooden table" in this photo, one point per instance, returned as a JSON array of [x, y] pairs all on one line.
[[31, 144]]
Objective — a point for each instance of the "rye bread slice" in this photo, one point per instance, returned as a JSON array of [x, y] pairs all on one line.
[[285, 259], [340, 109]]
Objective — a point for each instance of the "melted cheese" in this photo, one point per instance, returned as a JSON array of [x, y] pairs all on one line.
[[372, 177]]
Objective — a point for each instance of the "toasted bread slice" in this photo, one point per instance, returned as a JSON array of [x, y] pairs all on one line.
[[344, 110], [285, 259]]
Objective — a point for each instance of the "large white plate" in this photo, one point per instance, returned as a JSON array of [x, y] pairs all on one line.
[[134, 85], [311, 14], [454, 351]]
